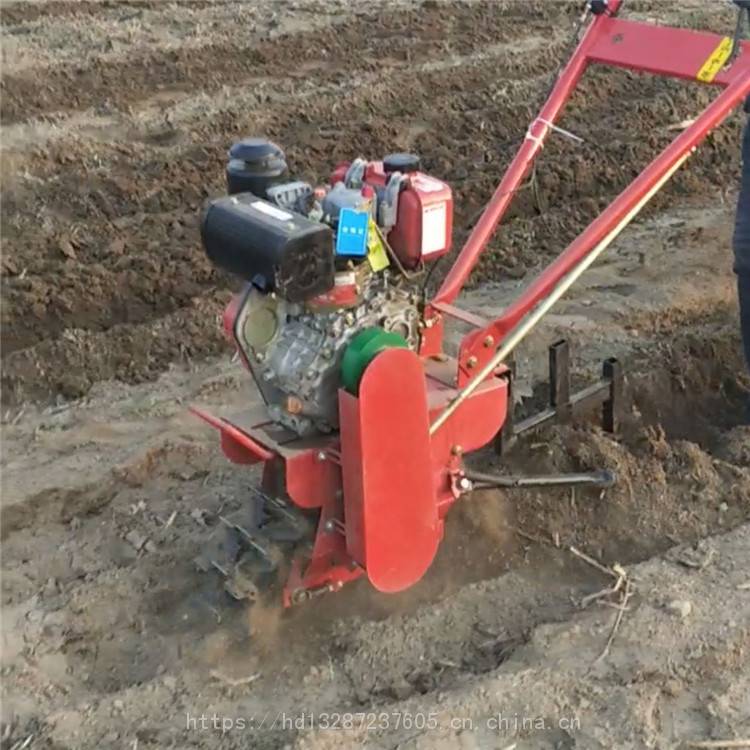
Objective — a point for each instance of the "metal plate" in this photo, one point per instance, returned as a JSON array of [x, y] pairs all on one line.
[[392, 524]]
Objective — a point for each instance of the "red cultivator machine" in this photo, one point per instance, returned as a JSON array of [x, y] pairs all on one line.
[[367, 420]]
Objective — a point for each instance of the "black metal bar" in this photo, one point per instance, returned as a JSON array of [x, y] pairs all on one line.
[[606, 393], [581, 401], [559, 379], [612, 407], [603, 478], [506, 436]]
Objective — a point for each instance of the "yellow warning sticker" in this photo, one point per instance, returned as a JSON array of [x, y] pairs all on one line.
[[376, 253], [716, 61]]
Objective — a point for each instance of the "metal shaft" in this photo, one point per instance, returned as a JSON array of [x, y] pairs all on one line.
[[526, 325], [602, 478]]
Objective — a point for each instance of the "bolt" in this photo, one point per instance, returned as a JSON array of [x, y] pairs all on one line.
[[471, 362], [300, 595], [488, 342], [259, 356], [457, 450], [321, 456], [329, 526], [294, 404], [465, 484]]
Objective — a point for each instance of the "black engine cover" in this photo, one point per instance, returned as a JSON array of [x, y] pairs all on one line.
[[275, 249]]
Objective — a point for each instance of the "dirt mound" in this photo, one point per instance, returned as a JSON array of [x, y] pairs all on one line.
[[108, 620], [122, 618]]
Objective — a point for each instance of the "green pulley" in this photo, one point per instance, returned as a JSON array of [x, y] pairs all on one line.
[[362, 350]]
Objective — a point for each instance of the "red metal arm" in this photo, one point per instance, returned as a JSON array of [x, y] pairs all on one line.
[[518, 168], [662, 50]]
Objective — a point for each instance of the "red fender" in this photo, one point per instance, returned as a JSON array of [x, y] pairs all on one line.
[[390, 506]]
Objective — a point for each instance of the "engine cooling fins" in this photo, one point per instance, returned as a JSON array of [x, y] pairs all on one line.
[[251, 549]]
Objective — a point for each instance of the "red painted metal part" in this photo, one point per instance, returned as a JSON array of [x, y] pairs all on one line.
[[392, 524], [230, 315], [637, 46], [237, 445], [330, 566], [310, 481], [340, 296], [474, 424]]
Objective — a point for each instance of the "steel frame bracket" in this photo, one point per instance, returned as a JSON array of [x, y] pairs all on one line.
[[564, 406]]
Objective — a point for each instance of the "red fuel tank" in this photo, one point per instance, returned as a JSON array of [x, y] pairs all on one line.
[[424, 218], [424, 221]]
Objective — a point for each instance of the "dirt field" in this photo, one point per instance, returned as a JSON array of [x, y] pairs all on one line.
[[116, 117]]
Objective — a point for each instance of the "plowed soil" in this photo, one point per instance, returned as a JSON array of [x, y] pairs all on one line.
[[116, 118]]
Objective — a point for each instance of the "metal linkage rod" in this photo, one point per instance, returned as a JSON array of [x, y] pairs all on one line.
[[603, 478]]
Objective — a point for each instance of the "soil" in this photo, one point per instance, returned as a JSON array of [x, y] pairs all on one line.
[[116, 118]]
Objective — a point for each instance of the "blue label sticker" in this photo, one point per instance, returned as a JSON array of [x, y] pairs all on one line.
[[351, 238]]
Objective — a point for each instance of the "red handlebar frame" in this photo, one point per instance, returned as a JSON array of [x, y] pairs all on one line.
[[661, 50]]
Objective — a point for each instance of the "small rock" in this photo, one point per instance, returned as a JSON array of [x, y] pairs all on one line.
[[119, 704], [681, 607], [136, 538], [723, 508], [198, 515], [122, 222], [9, 267], [401, 689], [117, 246], [66, 247], [672, 687]]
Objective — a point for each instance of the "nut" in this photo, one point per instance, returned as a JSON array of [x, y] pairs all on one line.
[[293, 405]]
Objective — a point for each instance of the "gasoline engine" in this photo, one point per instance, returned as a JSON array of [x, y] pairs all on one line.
[[333, 272]]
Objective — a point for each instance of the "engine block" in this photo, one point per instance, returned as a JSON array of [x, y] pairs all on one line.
[[322, 265], [295, 352]]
